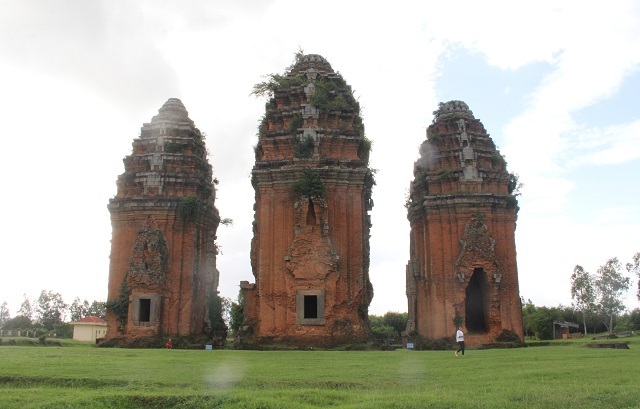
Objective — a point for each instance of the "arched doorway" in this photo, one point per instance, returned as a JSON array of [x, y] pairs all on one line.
[[476, 302]]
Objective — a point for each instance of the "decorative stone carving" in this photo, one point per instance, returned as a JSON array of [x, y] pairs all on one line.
[[477, 249], [149, 261]]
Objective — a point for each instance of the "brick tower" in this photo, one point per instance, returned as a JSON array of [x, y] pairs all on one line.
[[462, 210], [310, 250], [163, 251]]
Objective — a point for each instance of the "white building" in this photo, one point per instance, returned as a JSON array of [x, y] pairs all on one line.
[[89, 329]]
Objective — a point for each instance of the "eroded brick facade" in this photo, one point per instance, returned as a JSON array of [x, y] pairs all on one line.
[[310, 250], [462, 210], [163, 252]]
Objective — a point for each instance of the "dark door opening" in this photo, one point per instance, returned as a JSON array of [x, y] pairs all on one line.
[[311, 214], [310, 306], [144, 310], [475, 306]]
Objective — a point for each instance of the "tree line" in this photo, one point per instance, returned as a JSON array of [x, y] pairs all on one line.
[[599, 295], [596, 305], [49, 313]]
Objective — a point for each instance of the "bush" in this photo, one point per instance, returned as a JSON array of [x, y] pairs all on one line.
[[188, 208], [384, 332], [309, 184], [303, 148], [427, 344], [508, 336]]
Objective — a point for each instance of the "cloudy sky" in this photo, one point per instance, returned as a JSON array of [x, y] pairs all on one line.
[[556, 84]]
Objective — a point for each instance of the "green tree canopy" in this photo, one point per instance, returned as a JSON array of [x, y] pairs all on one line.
[[610, 284], [26, 310], [583, 294], [18, 322], [50, 309], [634, 268]]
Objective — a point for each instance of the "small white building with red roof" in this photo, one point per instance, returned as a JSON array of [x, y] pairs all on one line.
[[89, 329]]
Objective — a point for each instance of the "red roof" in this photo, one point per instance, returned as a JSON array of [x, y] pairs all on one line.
[[90, 320]]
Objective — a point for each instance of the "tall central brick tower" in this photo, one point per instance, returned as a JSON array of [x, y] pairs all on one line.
[[462, 210], [310, 250], [163, 252]]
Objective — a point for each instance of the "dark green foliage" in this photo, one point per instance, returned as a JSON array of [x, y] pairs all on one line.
[[514, 185], [396, 320], [543, 322], [457, 320], [434, 137], [426, 344], [97, 309], [334, 95], [364, 149], [303, 148], [273, 82], [173, 147], [257, 151], [120, 306], [363, 310], [309, 184], [512, 202], [18, 323], [188, 208], [296, 123], [63, 330], [389, 326], [237, 314], [384, 332], [216, 320], [508, 336]]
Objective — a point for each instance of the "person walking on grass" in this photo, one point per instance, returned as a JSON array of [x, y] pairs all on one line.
[[460, 340]]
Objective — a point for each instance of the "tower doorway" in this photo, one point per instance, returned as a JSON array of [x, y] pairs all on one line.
[[476, 302]]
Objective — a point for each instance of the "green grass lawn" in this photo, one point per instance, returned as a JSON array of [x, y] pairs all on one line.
[[563, 375]]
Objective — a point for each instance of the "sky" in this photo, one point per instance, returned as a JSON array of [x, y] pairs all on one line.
[[555, 83]]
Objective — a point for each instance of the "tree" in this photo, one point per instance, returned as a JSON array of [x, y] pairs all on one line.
[[63, 330], [528, 312], [18, 322], [634, 318], [216, 306], [384, 332], [583, 294], [396, 320], [237, 314], [78, 309], [97, 309], [629, 321], [634, 267], [542, 321], [26, 310], [50, 309], [4, 313], [610, 284], [380, 330]]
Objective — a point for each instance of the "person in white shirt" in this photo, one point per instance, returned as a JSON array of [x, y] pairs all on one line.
[[460, 340]]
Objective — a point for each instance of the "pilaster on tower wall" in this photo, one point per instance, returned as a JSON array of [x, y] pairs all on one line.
[[310, 250], [163, 253], [462, 212]]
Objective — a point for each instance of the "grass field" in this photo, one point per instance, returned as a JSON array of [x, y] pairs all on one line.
[[563, 375]]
